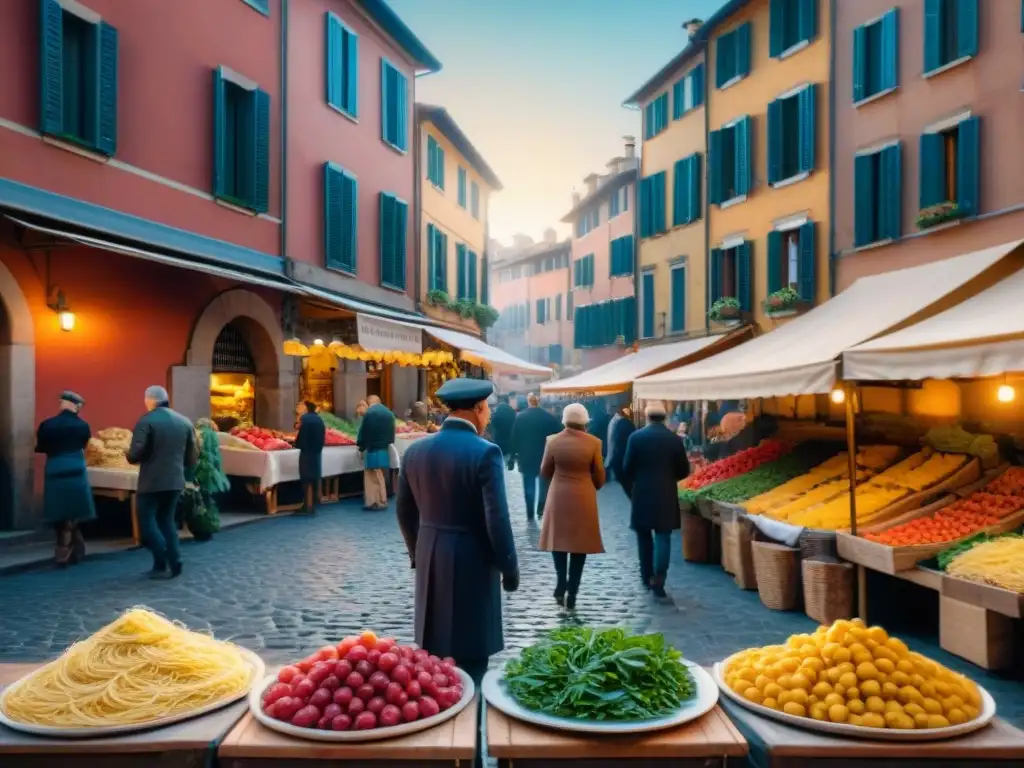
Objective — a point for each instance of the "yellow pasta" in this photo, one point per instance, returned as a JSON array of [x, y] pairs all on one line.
[[138, 669], [999, 562]]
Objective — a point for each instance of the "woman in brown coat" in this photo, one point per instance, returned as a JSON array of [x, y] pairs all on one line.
[[572, 463]]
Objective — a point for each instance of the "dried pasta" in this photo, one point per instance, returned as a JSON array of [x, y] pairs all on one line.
[[999, 562]]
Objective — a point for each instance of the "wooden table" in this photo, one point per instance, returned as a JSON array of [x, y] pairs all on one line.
[[250, 745], [710, 741], [774, 745], [191, 744]]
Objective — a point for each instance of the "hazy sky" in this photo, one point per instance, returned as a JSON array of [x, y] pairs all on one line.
[[537, 86]]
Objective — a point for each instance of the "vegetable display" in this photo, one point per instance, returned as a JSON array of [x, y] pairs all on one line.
[[961, 518], [334, 437], [1009, 483], [765, 477], [999, 562], [603, 675], [737, 464], [362, 683], [263, 439], [854, 674], [955, 439]]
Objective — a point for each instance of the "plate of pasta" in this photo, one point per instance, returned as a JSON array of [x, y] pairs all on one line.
[[139, 672]]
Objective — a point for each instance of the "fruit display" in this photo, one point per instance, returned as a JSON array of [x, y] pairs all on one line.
[[408, 427], [765, 477], [825, 490], [335, 438], [1009, 483], [961, 518], [873, 497], [362, 683], [737, 464], [853, 674], [263, 439], [998, 562], [232, 397], [337, 423], [605, 675], [955, 439], [109, 449], [930, 471]]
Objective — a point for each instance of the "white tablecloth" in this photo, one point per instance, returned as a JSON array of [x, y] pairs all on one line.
[[109, 479], [274, 467]]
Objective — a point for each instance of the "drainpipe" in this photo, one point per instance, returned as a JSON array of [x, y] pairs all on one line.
[[283, 230], [832, 150], [417, 197], [637, 276], [708, 90]]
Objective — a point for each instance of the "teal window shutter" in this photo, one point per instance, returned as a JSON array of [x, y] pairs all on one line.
[[645, 208], [678, 103], [568, 306], [220, 130], [865, 186], [743, 49], [260, 199], [394, 106], [649, 121], [648, 299], [807, 262], [471, 256], [715, 168], [774, 261], [716, 274], [890, 194], [485, 279], [558, 307], [744, 283], [351, 81], [340, 219], [460, 266], [388, 246], [431, 160], [403, 111], [932, 161], [966, 28], [698, 85], [439, 165], [334, 64], [860, 64], [807, 19], [401, 243], [678, 291], [968, 164], [933, 27], [743, 169], [679, 190], [431, 259], [540, 310], [694, 184], [663, 111], [775, 138], [807, 106], [342, 66], [106, 91], [462, 187], [474, 199], [659, 202], [889, 67], [776, 27], [51, 58], [387, 106]]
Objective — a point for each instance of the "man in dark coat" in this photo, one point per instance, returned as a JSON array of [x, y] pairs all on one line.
[[654, 463], [600, 418], [67, 497], [502, 421], [530, 435], [310, 441], [163, 445], [619, 430], [374, 440]]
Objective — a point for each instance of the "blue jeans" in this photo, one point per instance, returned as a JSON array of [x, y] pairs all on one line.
[[156, 522], [655, 550], [534, 501]]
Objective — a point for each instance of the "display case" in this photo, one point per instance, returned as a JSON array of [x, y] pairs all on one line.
[[233, 399]]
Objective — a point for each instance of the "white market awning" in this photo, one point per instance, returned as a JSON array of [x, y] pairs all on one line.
[[619, 374], [800, 357], [476, 351]]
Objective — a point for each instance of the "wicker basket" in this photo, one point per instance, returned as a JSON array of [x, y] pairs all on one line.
[[696, 538], [730, 546], [743, 558], [818, 544], [828, 589], [778, 575]]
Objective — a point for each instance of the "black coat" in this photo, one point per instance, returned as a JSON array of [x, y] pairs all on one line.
[[598, 427], [310, 442], [453, 515], [620, 438], [503, 418], [377, 429], [530, 434], [163, 445], [654, 463], [66, 492]]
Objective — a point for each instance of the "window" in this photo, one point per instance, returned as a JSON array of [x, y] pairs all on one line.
[[876, 56], [588, 222], [342, 67], [394, 217], [555, 354], [583, 272], [558, 307], [877, 186], [341, 194], [730, 274], [950, 32], [474, 200], [241, 140], [791, 261], [729, 172], [792, 22], [466, 266], [656, 116], [543, 311], [263, 6], [435, 163], [462, 187], [568, 306], [620, 262], [677, 299], [791, 135], [613, 205], [949, 166], [688, 92], [394, 106], [647, 304], [78, 82], [686, 184], [652, 205], [601, 325], [732, 56], [437, 260]]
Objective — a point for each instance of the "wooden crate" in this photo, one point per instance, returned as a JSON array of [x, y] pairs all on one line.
[[971, 632], [992, 598]]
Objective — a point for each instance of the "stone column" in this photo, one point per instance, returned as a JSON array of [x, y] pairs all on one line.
[[190, 390], [17, 444], [349, 387]]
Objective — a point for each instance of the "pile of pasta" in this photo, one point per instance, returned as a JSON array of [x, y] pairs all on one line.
[[999, 562], [109, 449], [139, 669]]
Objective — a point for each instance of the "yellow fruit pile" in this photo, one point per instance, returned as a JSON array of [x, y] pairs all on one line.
[[929, 472], [854, 674], [872, 498]]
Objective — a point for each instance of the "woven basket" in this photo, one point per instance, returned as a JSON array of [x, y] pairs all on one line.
[[696, 538], [828, 589], [778, 575], [743, 557], [818, 544], [730, 546]]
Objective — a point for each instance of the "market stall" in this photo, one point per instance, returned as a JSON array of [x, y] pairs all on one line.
[[233, 380]]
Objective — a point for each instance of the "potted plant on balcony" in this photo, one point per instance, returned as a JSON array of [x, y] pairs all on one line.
[[486, 315], [940, 213], [725, 310], [781, 302]]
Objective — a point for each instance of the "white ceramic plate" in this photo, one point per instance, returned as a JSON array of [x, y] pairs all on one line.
[[255, 662], [988, 711], [703, 701], [374, 734]]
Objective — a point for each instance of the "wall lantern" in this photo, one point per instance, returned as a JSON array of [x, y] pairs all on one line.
[[1005, 393], [838, 396], [65, 317]]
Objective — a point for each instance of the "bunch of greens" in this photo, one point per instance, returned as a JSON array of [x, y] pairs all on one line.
[[760, 480], [589, 674]]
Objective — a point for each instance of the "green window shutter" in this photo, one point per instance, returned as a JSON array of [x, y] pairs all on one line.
[[460, 267], [387, 107], [628, 254], [648, 304], [558, 307], [807, 19], [462, 186], [473, 293], [260, 199], [698, 85], [744, 283], [716, 275], [340, 194], [568, 306], [865, 188], [485, 279], [403, 111], [219, 133], [890, 59], [540, 310], [677, 98], [932, 34], [660, 204], [401, 243], [966, 21], [968, 165], [351, 83], [51, 63], [388, 246], [775, 138], [715, 168], [743, 50], [776, 27], [860, 64], [743, 166], [694, 185], [679, 188], [932, 178], [807, 106], [649, 121], [807, 262], [663, 109], [439, 165], [723, 65], [678, 299], [430, 159], [590, 270], [645, 207], [444, 260], [106, 90], [613, 257], [890, 201], [774, 261], [335, 62], [431, 259]]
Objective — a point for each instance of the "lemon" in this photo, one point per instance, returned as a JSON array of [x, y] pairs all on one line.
[[819, 711], [829, 650], [785, 697], [838, 713], [748, 674], [867, 671], [786, 682], [789, 665], [909, 694], [799, 696], [800, 681], [852, 693], [821, 690], [810, 673], [913, 708], [870, 688], [951, 703], [873, 720], [885, 666], [762, 682], [834, 699], [899, 678], [931, 706], [772, 691], [797, 710], [834, 674], [856, 707], [905, 667], [856, 648], [848, 680], [739, 685], [754, 695], [770, 703], [890, 690], [846, 666], [958, 690], [956, 716], [897, 646], [855, 719], [814, 663], [899, 720], [937, 721], [842, 655], [839, 689], [878, 634], [920, 720], [893, 706], [917, 681]]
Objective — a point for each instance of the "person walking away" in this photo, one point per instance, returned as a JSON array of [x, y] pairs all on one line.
[[310, 441], [598, 426], [163, 446], [654, 463], [573, 465], [619, 430], [453, 515], [502, 421], [376, 435], [67, 496], [530, 432]]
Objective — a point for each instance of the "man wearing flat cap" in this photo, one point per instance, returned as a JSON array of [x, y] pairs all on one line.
[[67, 497]]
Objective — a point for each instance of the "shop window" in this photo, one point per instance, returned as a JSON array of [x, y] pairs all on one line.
[[876, 57], [233, 380], [791, 261], [791, 135], [877, 190], [730, 274], [792, 22], [732, 56], [241, 130], [950, 32], [949, 169], [342, 67], [730, 176]]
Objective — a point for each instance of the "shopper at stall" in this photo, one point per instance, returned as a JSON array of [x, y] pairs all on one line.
[[572, 464], [619, 430], [654, 463], [67, 497], [502, 421], [530, 432], [375, 438], [163, 446], [310, 441]]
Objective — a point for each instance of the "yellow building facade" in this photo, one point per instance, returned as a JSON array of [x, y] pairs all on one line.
[[767, 176], [454, 186]]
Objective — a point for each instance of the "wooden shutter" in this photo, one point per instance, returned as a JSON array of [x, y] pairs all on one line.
[[106, 90], [401, 243], [775, 135], [966, 21], [432, 276], [339, 219], [388, 246], [776, 27], [698, 85], [386, 106], [462, 186], [807, 262], [460, 267], [485, 280], [679, 190], [808, 110], [932, 176], [693, 186], [335, 61], [678, 299], [716, 275], [860, 64], [660, 203], [774, 261], [890, 201], [933, 18], [715, 168], [807, 19], [743, 49], [968, 164], [260, 199], [471, 256], [744, 283], [723, 70], [865, 186], [351, 94], [889, 56], [51, 56], [743, 164], [401, 117], [645, 207], [219, 133]]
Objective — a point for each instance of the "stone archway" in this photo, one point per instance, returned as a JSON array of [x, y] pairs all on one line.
[[17, 405], [275, 372]]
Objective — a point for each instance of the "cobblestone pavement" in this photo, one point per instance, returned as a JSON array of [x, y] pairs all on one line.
[[283, 587]]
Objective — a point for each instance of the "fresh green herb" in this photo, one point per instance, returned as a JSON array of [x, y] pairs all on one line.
[[588, 674]]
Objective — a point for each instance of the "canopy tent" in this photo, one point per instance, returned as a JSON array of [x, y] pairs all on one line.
[[480, 353], [800, 357], [982, 336], [619, 374]]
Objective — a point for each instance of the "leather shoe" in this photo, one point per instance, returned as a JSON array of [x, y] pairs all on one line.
[[510, 581]]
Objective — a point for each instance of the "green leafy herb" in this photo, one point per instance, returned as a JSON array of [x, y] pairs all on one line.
[[588, 674]]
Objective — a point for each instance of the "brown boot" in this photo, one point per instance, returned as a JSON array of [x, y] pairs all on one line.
[[65, 546], [78, 546]]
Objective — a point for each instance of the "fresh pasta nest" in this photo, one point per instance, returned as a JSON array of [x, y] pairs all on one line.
[[139, 669]]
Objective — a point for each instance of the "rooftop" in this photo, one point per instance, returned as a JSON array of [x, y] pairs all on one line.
[[605, 188], [446, 125], [392, 23], [535, 251]]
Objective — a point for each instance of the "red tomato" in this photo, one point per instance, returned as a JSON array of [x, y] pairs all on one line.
[[306, 717], [429, 707], [376, 704], [390, 716], [288, 673], [387, 662], [341, 723], [343, 696], [411, 711]]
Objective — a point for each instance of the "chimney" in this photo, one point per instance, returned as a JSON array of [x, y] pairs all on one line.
[[630, 146], [575, 198], [691, 27], [550, 236], [519, 242], [591, 182]]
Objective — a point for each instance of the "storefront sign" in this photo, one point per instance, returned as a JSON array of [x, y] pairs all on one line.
[[385, 336]]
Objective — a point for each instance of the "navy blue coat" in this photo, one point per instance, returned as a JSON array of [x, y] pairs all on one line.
[[502, 420], [454, 518], [66, 492], [310, 442], [654, 463], [530, 435], [620, 438]]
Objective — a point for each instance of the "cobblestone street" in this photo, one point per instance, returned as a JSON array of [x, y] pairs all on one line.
[[283, 587]]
